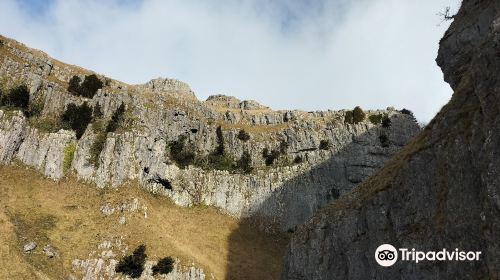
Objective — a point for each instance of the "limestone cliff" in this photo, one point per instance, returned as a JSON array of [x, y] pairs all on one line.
[[440, 191], [318, 156]]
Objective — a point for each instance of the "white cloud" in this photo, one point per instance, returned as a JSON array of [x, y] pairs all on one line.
[[337, 54]]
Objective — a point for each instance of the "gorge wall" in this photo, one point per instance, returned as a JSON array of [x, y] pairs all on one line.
[[319, 157], [440, 191]]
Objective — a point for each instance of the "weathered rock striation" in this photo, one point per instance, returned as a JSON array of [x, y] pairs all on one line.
[[320, 156], [440, 191]]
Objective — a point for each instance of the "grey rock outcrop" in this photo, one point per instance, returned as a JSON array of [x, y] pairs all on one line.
[[102, 265], [50, 252], [230, 102], [30, 246], [440, 191], [171, 86], [305, 177]]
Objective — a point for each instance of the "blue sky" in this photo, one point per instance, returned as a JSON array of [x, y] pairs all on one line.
[[286, 54]]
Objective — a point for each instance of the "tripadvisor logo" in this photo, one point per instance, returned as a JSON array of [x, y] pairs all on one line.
[[387, 255]]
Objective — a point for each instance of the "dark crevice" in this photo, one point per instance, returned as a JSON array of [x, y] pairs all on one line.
[[164, 182]]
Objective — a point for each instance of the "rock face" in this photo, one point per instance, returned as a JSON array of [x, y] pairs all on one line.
[[320, 156], [162, 85], [440, 191], [231, 102], [102, 264]]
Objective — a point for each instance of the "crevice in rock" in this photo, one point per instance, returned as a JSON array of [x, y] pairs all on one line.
[[164, 182]]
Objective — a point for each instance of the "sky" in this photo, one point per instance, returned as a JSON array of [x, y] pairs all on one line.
[[286, 54]]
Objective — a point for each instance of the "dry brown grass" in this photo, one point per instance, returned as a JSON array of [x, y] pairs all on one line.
[[67, 216]]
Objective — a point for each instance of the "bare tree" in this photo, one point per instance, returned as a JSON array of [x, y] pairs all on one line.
[[445, 15]]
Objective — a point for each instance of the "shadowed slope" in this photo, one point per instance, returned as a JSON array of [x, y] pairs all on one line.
[[440, 191]]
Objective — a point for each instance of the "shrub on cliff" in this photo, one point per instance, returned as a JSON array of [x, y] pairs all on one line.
[[181, 154], [406, 112], [164, 266], [116, 119], [355, 116], [17, 97], [270, 157], [97, 147], [78, 117], [386, 121], [88, 88], [384, 140], [90, 85], [74, 85], [220, 162], [243, 135], [409, 113], [218, 159], [358, 115], [376, 119], [220, 141], [133, 265], [325, 144], [348, 117], [245, 162]]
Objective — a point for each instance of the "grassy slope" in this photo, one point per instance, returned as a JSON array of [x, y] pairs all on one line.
[[67, 216]]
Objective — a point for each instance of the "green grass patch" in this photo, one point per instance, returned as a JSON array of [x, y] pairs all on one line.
[[69, 153]]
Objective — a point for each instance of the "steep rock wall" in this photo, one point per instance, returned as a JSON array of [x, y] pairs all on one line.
[[304, 178], [442, 189]]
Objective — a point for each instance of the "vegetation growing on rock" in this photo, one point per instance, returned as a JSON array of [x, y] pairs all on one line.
[[409, 113], [78, 117], [133, 265], [116, 119], [270, 156], [325, 144], [98, 144], [184, 154], [358, 115], [384, 140], [69, 153], [219, 159], [35, 107], [164, 266], [180, 153], [245, 162], [16, 98], [355, 116], [386, 121], [243, 135], [376, 119], [88, 88], [348, 117]]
